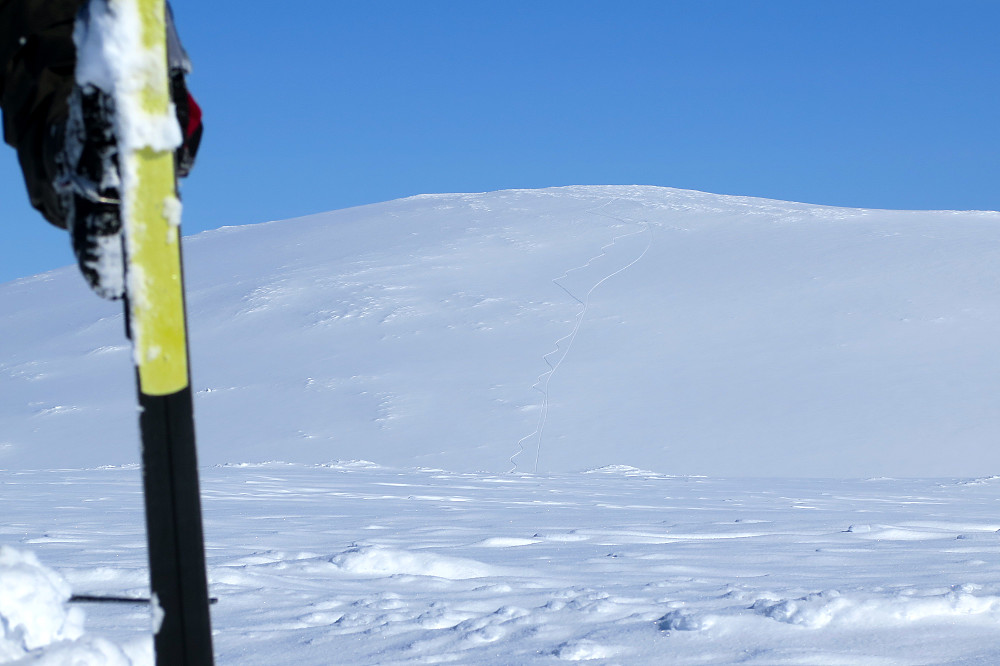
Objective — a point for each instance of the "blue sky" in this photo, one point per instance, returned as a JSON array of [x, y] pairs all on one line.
[[320, 104]]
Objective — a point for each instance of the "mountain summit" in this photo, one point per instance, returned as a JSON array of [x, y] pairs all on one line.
[[568, 328]]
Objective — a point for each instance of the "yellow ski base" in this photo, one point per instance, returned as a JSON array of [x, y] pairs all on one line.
[[155, 280], [152, 218]]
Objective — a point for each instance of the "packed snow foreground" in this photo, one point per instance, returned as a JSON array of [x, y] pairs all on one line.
[[602, 424], [353, 563], [37, 626]]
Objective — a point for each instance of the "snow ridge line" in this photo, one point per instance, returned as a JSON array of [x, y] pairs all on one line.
[[542, 382]]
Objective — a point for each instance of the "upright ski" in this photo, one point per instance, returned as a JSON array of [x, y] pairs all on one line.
[[121, 46]]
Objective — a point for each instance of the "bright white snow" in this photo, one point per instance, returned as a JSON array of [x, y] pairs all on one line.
[[358, 564], [37, 627], [689, 370], [746, 337]]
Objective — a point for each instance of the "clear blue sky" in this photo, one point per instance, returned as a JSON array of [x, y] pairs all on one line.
[[315, 105]]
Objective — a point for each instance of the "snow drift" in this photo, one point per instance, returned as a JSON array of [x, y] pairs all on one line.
[[37, 627], [673, 331]]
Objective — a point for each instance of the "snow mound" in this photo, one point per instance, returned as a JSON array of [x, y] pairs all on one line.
[[857, 609], [336, 464], [505, 542], [627, 470], [684, 620], [830, 606], [32, 605], [379, 561], [36, 626], [585, 650]]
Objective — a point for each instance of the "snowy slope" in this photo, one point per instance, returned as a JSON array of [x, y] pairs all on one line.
[[721, 335]]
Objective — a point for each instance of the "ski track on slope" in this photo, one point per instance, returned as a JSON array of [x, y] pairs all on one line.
[[542, 382]]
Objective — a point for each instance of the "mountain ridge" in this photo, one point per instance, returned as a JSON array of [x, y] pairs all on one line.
[[723, 335]]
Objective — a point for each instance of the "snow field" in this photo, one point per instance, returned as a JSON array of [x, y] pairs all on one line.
[[404, 566]]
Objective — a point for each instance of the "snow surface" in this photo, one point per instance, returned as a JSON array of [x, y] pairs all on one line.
[[691, 373], [354, 563], [37, 627]]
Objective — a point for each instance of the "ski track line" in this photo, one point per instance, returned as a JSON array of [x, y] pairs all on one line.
[[542, 382]]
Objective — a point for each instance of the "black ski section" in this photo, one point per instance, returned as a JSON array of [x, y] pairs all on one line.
[[174, 529]]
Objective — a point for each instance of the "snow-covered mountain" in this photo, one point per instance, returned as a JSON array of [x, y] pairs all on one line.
[[642, 334], [675, 331]]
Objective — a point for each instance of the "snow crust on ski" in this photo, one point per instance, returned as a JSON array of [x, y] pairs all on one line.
[[122, 50]]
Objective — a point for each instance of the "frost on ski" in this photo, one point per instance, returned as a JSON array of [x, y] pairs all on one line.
[[111, 56], [172, 208], [120, 53], [109, 264]]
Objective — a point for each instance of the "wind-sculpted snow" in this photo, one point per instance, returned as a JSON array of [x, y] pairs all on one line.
[[32, 599], [38, 627], [360, 564], [693, 334], [821, 608], [377, 561]]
